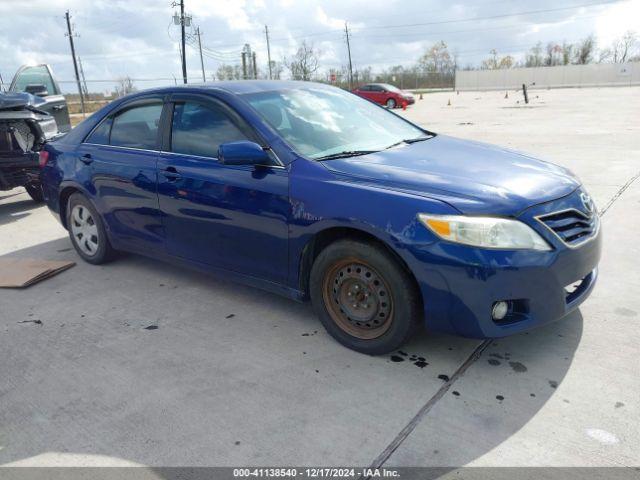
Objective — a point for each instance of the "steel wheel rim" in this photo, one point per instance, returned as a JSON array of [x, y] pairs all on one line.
[[84, 230], [358, 299], [391, 103]]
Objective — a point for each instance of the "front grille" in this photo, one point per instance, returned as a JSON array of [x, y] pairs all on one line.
[[571, 226]]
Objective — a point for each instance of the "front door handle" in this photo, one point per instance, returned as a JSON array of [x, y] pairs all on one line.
[[86, 158], [171, 174]]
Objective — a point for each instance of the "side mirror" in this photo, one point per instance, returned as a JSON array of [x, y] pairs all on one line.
[[242, 153], [37, 90]]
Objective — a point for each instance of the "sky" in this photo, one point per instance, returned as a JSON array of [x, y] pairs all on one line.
[[137, 38]]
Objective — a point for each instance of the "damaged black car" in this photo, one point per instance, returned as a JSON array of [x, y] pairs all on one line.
[[32, 112]]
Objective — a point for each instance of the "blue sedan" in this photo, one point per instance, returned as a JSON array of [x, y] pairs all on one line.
[[315, 193]]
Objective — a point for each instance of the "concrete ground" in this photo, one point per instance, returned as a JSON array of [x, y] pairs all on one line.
[[236, 376]]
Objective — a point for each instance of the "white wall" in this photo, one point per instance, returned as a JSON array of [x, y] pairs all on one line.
[[593, 75]]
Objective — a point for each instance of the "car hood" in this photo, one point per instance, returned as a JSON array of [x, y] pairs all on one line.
[[473, 177], [12, 101]]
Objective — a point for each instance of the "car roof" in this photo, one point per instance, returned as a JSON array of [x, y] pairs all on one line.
[[237, 87]]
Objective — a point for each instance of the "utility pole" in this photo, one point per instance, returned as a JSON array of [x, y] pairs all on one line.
[[244, 65], [73, 55], [346, 31], [84, 80], [204, 78], [255, 66], [184, 56], [183, 20], [266, 34]]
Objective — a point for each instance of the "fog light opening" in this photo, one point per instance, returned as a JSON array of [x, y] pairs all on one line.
[[500, 310]]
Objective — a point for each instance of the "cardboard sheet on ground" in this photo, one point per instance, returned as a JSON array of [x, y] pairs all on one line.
[[22, 272]]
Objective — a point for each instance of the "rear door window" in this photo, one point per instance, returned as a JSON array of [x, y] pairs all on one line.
[[199, 129], [137, 127]]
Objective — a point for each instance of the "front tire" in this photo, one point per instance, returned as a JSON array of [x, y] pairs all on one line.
[[391, 103], [363, 297], [87, 231]]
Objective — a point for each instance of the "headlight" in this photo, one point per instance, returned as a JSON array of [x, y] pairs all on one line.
[[49, 127], [486, 232]]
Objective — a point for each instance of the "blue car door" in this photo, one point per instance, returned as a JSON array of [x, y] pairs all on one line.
[[229, 217], [118, 162]]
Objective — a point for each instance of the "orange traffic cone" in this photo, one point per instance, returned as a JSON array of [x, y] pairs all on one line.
[[404, 105]]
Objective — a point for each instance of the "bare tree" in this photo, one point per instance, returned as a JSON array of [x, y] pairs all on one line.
[[304, 63], [622, 48], [494, 62], [124, 87], [276, 69], [534, 57], [437, 60], [554, 54], [567, 52], [229, 72], [364, 75], [585, 50]]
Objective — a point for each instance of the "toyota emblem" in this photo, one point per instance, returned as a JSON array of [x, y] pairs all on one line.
[[587, 202]]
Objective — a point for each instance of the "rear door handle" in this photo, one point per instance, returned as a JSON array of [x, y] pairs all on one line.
[[171, 174], [86, 158]]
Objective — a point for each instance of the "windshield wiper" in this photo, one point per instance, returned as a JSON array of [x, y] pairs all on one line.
[[410, 141], [347, 154]]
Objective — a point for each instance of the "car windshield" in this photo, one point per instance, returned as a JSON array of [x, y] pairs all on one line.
[[321, 122]]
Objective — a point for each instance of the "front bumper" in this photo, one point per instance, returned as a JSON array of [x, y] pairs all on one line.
[[460, 284]]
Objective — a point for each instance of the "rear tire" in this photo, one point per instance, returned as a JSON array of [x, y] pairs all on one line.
[[35, 192], [87, 232], [363, 297], [391, 103]]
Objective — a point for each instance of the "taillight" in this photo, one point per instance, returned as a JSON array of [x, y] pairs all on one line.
[[43, 158]]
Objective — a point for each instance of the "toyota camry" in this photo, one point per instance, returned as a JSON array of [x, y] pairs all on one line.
[[315, 193]]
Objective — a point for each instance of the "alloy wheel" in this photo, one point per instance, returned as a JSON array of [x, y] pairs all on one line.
[[84, 230]]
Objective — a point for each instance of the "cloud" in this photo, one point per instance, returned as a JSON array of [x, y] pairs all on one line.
[[324, 19], [616, 20], [138, 39]]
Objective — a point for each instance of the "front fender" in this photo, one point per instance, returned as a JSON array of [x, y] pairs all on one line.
[[321, 201]]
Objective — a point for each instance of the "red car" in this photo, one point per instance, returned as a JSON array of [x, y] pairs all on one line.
[[385, 94]]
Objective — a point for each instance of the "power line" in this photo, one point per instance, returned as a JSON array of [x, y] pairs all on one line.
[[492, 17], [450, 21], [472, 30]]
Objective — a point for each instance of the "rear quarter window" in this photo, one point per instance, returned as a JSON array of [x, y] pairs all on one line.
[[100, 136]]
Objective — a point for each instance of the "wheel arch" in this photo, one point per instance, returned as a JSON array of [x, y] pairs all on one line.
[[323, 238], [66, 191]]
